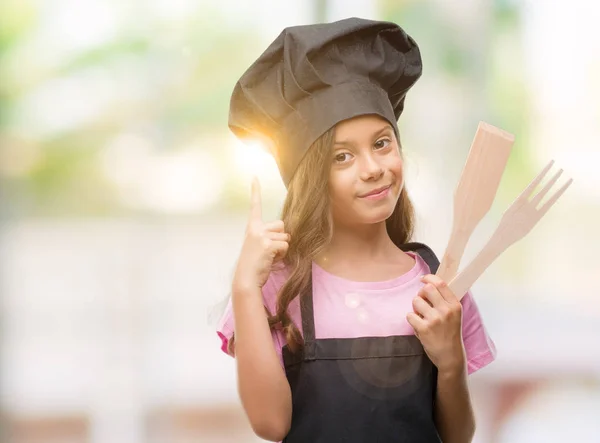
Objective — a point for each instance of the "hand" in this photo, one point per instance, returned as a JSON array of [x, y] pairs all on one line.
[[437, 321], [264, 244]]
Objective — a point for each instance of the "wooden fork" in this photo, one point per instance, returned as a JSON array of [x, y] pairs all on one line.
[[516, 222]]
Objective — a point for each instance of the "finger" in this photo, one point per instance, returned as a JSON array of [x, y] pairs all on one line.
[[423, 308], [279, 236], [442, 287], [280, 248], [416, 322], [275, 226], [255, 200], [432, 294], [423, 294]]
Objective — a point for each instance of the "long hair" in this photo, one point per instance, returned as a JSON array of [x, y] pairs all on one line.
[[307, 218]]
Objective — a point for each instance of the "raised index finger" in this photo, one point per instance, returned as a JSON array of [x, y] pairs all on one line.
[[255, 201]]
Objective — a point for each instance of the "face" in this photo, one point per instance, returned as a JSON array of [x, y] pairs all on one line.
[[366, 177]]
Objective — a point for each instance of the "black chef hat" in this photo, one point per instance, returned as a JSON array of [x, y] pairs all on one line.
[[314, 76]]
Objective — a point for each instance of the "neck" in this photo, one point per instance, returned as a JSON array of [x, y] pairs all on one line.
[[359, 243]]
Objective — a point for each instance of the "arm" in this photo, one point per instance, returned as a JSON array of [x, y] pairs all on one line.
[[437, 320], [453, 412], [262, 385]]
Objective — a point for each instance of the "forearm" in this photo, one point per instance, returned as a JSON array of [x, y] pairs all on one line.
[[263, 388], [454, 415]]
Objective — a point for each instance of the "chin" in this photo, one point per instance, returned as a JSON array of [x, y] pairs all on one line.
[[376, 215], [380, 212]]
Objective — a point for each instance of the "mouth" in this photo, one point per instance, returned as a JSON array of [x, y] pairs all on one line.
[[376, 192]]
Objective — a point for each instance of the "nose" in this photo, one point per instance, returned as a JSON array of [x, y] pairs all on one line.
[[370, 169]]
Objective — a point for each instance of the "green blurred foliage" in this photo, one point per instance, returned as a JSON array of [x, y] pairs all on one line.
[[17, 19], [188, 68]]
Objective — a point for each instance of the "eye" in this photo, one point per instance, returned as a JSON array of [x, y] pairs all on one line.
[[383, 143], [341, 157]]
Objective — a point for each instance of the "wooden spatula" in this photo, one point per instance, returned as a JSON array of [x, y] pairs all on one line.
[[516, 222], [476, 191]]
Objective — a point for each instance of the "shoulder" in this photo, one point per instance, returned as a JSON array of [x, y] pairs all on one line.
[[226, 325]]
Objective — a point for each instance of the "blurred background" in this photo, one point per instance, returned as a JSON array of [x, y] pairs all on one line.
[[123, 201]]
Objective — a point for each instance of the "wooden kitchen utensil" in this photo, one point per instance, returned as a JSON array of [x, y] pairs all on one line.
[[516, 222], [476, 191]]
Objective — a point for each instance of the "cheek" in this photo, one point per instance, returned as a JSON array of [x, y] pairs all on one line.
[[395, 164], [340, 191], [396, 169]]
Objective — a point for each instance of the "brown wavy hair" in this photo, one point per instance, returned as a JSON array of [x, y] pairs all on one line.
[[307, 218]]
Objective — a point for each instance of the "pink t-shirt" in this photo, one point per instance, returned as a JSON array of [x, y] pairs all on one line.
[[349, 309]]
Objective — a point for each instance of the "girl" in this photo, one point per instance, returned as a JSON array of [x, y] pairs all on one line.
[[340, 329]]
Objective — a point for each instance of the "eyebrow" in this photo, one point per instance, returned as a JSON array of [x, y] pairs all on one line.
[[375, 134]]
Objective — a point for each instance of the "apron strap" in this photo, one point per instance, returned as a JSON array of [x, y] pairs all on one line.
[[425, 252], [308, 322]]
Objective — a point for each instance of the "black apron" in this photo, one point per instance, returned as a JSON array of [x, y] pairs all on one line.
[[361, 390]]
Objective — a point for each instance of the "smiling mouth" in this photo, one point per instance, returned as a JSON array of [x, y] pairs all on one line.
[[376, 191]]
